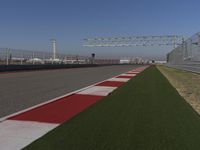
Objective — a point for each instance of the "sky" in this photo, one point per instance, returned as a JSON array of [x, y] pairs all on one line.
[[30, 24]]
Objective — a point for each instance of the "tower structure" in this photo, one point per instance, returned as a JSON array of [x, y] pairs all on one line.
[[53, 42]]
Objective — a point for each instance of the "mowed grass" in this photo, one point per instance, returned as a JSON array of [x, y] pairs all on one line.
[[187, 84], [145, 114]]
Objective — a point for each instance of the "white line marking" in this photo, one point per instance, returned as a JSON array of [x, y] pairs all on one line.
[[130, 75], [98, 90], [15, 135], [119, 79], [135, 72]]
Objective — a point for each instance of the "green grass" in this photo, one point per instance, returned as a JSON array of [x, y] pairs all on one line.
[[145, 114], [186, 82]]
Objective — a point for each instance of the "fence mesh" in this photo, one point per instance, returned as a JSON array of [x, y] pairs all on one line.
[[188, 53], [14, 56]]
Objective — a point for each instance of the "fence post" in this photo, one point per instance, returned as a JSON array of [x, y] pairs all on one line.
[[7, 50], [175, 41], [22, 58], [191, 53], [43, 58], [183, 49], [33, 58]]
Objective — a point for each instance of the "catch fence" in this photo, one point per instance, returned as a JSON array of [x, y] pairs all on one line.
[[10, 56], [188, 53]]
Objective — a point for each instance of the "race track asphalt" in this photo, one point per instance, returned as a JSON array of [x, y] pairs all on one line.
[[21, 90]]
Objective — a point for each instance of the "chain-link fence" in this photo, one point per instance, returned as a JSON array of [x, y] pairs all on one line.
[[22, 57], [14, 56], [188, 53]]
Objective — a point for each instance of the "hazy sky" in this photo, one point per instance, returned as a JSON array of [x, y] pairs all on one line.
[[29, 24]]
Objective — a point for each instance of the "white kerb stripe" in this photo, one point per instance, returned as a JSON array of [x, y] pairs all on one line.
[[119, 79], [130, 75], [98, 90], [15, 135]]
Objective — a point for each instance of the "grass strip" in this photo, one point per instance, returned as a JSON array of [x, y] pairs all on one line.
[[145, 114], [187, 84]]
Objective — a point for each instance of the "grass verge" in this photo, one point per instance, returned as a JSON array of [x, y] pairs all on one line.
[[145, 114], [186, 83]]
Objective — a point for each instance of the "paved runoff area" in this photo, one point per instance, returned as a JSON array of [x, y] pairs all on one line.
[[25, 89], [192, 67], [22, 128]]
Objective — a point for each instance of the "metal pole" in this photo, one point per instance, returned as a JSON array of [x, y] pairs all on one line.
[[199, 39], [77, 60], [174, 41], [54, 50], [22, 55], [33, 58], [183, 49], [43, 57], [7, 50], [191, 49]]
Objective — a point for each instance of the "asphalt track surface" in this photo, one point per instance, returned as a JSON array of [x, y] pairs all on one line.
[[19, 91]]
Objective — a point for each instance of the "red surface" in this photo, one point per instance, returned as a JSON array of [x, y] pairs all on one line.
[[124, 77], [111, 83], [59, 111]]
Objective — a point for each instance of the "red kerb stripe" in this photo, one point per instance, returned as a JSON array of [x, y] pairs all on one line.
[[59, 111]]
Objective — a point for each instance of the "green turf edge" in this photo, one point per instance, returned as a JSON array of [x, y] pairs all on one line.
[[147, 113]]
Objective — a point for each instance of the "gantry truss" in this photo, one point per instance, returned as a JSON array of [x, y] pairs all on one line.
[[165, 40]]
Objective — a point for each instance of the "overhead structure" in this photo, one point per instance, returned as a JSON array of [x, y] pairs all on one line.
[[164, 40]]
